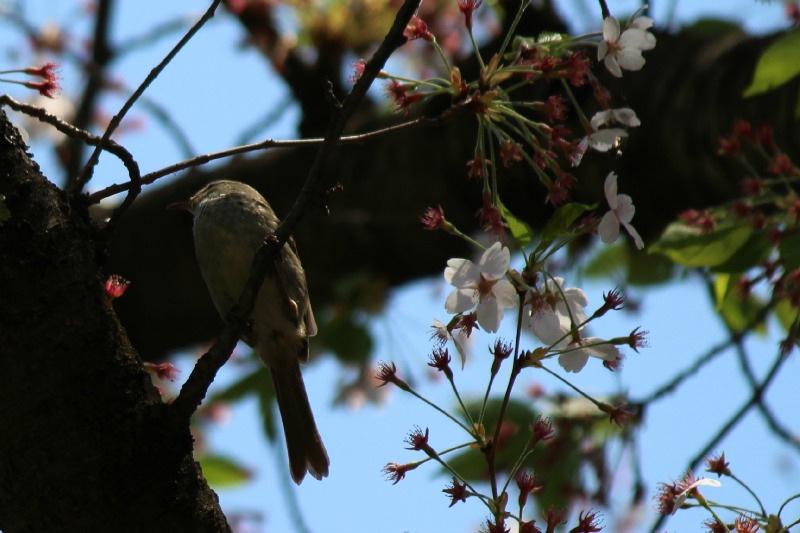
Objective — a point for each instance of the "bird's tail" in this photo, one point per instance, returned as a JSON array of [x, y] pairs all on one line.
[[306, 451]]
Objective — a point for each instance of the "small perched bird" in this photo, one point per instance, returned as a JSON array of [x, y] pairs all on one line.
[[231, 221]]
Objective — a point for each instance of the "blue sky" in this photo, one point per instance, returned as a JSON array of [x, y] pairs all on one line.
[[212, 80]]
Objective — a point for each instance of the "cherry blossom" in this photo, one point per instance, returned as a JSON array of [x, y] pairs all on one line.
[[622, 211], [555, 314], [680, 498], [624, 115], [482, 285], [624, 50], [605, 139], [575, 354]]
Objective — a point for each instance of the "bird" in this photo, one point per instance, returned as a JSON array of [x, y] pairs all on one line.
[[231, 222]]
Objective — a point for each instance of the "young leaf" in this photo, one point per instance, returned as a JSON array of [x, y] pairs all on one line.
[[221, 471], [689, 246], [561, 222], [779, 63], [520, 231]]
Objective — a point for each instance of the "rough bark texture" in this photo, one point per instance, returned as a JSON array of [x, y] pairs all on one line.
[[85, 442]]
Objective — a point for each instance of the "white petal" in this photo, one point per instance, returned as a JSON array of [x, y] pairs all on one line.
[[632, 38], [627, 116], [642, 23], [602, 50], [680, 499], [610, 29], [490, 314], [608, 228], [704, 481], [610, 189], [495, 261], [461, 273], [573, 361], [461, 300], [649, 42], [612, 65], [505, 293], [605, 140], [600, 349], [576, 301], [625, 209], [601, 118], [576, 297], [630, 59], [546, 325], [637, 239]]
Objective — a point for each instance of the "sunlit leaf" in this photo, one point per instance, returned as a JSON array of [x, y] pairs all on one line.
[[786, 313], [779, 63], [649, 269], [750, 254], [739, 311], [223, 472], [520, 231], [560, 223], [689, 246]]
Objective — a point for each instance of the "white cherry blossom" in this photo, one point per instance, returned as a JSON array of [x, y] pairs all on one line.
[[552, 321], [680, 499], [622, 211], [623, 50], [575, 354], [482, 285], [624, 115]]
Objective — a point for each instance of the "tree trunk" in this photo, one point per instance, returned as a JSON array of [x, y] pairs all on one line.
[[86, 443]]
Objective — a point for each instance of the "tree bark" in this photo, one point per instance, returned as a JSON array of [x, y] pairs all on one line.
[[86, 443]]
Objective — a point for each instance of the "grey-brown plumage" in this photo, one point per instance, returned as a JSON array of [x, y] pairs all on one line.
[[231, 221]]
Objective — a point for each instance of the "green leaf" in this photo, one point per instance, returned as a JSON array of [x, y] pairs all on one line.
[[786, 313], [520, 231], [222, 471], [779, 63], [722, 285], [689, 246], [648, 269], [560, 223], [607, 261], [751, 253], [738, 312]]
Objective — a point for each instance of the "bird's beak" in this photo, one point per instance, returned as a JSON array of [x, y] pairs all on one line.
[[186, 205]]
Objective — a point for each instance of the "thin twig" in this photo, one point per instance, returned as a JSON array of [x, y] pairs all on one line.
[[199, 160], [196, 386], [136, 185], [72, 132], [102, 54]]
